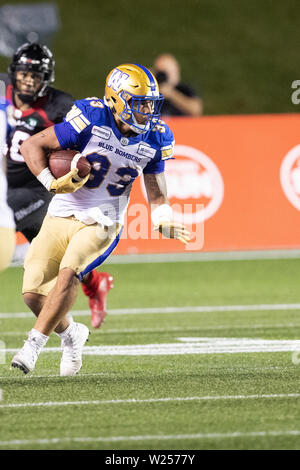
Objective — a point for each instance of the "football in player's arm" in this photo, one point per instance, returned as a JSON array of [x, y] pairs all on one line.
[[37, 105], [122, 138]]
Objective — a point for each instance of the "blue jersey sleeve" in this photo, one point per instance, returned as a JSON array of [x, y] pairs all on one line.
[[74, 131], [66, 135], [155, 166], [163, 140]]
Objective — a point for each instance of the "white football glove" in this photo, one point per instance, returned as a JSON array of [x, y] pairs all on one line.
[[68, 183], [174, 230]]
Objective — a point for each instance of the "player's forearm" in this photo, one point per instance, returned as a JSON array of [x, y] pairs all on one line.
[[34, 156], [156, 189], [36, 149], [157, 197]]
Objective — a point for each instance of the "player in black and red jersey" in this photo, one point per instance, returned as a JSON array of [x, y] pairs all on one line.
[[37, 105]]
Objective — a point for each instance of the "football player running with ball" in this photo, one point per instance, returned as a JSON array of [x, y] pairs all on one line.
[[36, 106], [122, 138]]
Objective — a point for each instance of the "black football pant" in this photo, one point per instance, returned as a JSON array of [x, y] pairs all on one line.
[[29, 204]]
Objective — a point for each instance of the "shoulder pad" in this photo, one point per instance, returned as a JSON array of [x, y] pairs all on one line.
[[163, 138], [59, 96], [91, 107], [85, 112], [162, 132], [58, 104]]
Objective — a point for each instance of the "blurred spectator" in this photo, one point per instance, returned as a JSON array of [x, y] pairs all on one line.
[[180, 98]]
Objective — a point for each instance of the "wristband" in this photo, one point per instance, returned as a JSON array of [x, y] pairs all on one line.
[[162, 213], [45, 177]]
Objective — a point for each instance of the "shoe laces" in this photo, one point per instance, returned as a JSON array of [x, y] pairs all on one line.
[[35, 342], [70, 342]]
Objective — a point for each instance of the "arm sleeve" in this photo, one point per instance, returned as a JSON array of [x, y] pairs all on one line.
[[165, 140], [155, 167], [73, 131], [66, 135]]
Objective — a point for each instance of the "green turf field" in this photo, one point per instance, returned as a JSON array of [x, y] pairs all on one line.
[[164, 372]]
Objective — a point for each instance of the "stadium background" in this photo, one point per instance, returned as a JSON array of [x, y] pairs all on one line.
[[241, 59], [241, 56]]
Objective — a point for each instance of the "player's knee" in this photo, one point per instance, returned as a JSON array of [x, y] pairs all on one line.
[[33, 301], [27, 296], [33, 277]]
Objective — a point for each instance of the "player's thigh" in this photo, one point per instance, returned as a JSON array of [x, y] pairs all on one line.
[[45, 254], [7, 246], [88, 245]]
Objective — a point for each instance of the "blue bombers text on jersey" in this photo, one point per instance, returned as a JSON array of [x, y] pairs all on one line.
[[116, 160]]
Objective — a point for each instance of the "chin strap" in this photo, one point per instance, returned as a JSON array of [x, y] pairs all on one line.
[[28, 99]]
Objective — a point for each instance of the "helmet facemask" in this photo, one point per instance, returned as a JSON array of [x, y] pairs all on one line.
[[133, 115]]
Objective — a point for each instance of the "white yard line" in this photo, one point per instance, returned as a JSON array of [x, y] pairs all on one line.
[[192, 256], [58, 376], [147, 400], [164, 310], [204, 256], [174, 329], [109, 375], [186, 345], [158, 437], [171, 329]]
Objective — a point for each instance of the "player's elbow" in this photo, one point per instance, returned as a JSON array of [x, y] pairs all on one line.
[[25, 148], [29, 148], [196, 108]]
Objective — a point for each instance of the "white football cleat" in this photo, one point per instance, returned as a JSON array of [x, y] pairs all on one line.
[[72, 345], [26, 358]]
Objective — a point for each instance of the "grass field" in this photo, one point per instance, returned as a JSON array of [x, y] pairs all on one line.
[[164, 372]]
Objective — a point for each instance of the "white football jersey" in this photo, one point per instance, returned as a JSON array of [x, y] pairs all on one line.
[[6, 214], [116, 160]]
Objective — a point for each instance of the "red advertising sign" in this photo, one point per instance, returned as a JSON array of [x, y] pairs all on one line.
[[235, 183]]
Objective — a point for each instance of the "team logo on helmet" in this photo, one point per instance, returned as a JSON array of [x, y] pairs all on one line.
[[116, 78]]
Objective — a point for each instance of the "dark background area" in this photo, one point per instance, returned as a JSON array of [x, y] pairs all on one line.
[[241, 56]]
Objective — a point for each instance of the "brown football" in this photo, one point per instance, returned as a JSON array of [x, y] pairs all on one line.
[[63, 161]]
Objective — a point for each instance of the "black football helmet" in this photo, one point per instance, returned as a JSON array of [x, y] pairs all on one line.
[[37, 58]]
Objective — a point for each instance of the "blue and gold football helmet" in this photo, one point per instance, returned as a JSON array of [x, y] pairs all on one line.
[[128, 87]]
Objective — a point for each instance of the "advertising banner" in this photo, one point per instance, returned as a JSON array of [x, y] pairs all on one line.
[[235, 183]]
